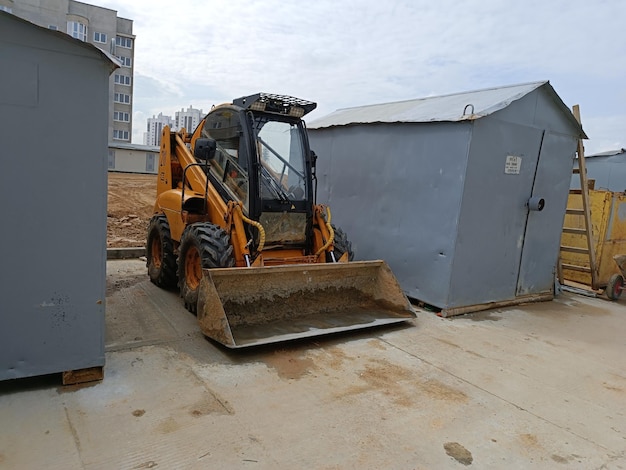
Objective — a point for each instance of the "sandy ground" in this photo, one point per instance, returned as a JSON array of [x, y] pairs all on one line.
[[130, 201]]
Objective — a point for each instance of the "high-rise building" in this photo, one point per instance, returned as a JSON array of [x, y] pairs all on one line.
[[155, 127], [105, 30], [188, 119]]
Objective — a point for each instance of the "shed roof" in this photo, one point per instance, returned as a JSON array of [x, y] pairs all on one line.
[[454, 107], [609, 153], [137, 147]]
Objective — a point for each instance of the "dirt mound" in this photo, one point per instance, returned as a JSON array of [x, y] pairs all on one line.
[[130, 203]]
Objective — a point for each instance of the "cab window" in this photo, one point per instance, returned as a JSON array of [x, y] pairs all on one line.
[[230, 165]]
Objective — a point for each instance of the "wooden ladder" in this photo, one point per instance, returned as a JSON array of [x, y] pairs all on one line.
[[583, 213]]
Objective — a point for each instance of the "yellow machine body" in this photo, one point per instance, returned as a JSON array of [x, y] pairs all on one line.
[[245, 285]]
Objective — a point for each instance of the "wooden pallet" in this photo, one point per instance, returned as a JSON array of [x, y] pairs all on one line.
[[79, 376]]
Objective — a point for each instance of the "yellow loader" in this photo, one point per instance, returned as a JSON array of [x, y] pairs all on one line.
[[237, 230]]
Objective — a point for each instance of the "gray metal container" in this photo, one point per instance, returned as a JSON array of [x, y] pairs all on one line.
[[606, 169], [448, 189], [53, 188]]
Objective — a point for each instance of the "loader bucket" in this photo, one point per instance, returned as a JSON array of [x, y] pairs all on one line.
[[241, 307]]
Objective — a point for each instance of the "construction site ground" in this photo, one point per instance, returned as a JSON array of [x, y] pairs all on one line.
[[536, 386]]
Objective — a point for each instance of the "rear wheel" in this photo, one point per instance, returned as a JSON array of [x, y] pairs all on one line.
[[202, 245], [161, 261], [615, 286], [342, 245]]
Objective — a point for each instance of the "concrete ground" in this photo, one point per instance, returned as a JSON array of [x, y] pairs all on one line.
[[535, 386]]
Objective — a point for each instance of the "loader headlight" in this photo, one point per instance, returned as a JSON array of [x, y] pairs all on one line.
[[258, 106], [295, 111]]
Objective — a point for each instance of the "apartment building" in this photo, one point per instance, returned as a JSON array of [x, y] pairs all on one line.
[[188, 119], [105, 30], [152, 136]]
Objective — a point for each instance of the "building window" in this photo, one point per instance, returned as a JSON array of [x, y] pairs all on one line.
[[53, 27], [123, 42], [122, 79], [77, 30], [120, 116], [122, 98], [111, 159], [126, 61], [100, 37], [150, 162], [120, 135]]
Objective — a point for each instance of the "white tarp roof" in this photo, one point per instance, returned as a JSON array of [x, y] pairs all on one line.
[[455, 107]]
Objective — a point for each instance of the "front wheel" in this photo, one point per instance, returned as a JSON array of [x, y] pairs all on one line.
[[615, 286], [202, 245], [342, 245], [161, 261]]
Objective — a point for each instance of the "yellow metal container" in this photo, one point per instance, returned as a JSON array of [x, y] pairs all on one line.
[[608, 221]]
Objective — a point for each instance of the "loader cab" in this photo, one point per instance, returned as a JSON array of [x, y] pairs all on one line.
[[263, 159]]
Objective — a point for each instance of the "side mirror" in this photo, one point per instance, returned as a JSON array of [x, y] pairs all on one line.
[[204, 149], [313, 159]]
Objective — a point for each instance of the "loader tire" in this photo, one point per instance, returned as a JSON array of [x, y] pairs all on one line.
[[342, 245], [202, 245], [161, 261]]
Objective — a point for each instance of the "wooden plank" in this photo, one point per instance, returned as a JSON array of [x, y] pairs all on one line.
[[575, 231], [576, 212], [578, 285], [79, 376], [574, 249], [450, 312], [572, 267]]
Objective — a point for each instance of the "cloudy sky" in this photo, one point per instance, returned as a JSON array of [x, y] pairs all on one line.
[[345, 53]]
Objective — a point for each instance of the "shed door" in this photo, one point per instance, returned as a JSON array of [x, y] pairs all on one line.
[[498, 181], [543, 228]]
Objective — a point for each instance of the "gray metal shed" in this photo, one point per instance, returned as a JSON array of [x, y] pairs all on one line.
[[53, 187], [607, 169], [439, 188]]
